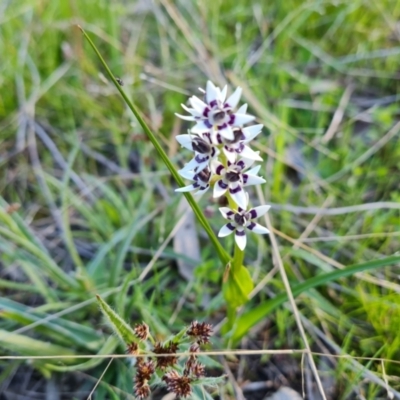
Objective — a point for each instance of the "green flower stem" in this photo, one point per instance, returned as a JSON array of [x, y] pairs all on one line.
[[238, 254], [224, 257]]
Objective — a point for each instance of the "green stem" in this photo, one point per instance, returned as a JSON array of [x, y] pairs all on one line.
[[224, 257], [238, 254]]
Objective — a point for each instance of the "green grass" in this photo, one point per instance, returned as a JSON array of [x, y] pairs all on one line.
[[91, 217]]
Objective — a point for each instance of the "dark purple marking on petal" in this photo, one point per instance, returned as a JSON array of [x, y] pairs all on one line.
[[213, 103], [253, 214], [245, 178], [213, 152], [223, 126], [240, 233], [251, 226], [219, 169], [229, 213], [219, 138], [240, 148], [237, 189], [222, 184], [230, 226], [231, 119], [206, 111], [207, 124], [229, 149], [241, 164], [199, 159], [196, 185], [240, 209]]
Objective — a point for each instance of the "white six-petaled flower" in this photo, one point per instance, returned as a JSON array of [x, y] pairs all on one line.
[[215, 113], [234, 178], [240, 220], [222, 157]]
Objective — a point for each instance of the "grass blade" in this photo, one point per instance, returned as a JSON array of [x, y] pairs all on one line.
[[249, 319]]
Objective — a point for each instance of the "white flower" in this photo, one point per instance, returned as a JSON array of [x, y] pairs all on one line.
[[203, 147], [241, 220], [216, 113], [234, 178], [201, 181], [238, 145]]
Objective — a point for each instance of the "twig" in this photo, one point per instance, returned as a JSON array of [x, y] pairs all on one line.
[[338, 115]]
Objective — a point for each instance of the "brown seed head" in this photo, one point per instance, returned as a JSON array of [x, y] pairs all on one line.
[[142, 331], [200, 331], [132, 348], [198, 370], [145, 370], [142, 391], [180, 385], [166, 361]]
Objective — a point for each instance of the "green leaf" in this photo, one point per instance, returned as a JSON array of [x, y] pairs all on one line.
[[199, 393], [238, 287], [249, 319], [108, 348], [29, 347], [58, 329], [121, 328], [211, 381]]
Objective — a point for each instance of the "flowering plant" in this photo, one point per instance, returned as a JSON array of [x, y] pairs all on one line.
[[222, 158]]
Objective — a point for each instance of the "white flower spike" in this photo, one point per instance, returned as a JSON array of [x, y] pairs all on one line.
[[218, 127], [241, 220]]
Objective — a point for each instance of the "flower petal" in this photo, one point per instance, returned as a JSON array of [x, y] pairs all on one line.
[[191, 165], [240, 239], [222, 94], [220, 188], [230, 154], [242, 109], [239, 196], [258, 211], [185, 141], [201, 126], [187, 174], [257, 228], [226, 230], [191, 111], [247, 152], [249, 180], [227, 212], [226, 132], [186, 117], [255, 170], [234, 98], [250, 132], [186, 188], [211, 92], [202, 190], [198, 104], [241, 119]]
